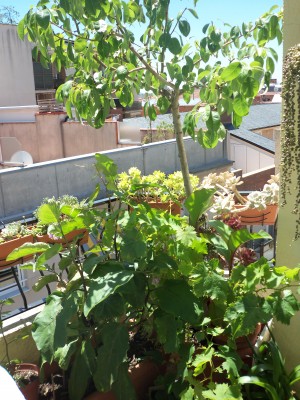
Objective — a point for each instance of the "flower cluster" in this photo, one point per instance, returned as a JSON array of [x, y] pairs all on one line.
[[154, 186]]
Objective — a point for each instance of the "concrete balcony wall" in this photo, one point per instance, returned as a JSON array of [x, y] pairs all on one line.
[[23, 189]]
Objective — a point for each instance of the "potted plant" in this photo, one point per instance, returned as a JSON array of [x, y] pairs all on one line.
[[157, 189], [151, 279], [270, 375], [26, 375], [12, 236], [258, 208], [63, 207]]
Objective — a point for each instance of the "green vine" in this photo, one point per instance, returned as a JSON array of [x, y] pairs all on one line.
[[290, 141]]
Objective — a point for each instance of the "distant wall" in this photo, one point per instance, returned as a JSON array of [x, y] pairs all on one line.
[[23, 189], [16, 71], [249, 157], [49, 137]]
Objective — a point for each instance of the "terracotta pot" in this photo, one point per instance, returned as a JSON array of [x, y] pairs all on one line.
[[142, 376], [171, 206], [7, 247], [258, 217], [31, 390], [69, 237], [241, 342]]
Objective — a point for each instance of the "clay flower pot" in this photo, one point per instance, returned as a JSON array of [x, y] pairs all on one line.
[[142, 376], [30, 373], [170, 206], [258, 217], [7, 247], [69, 237]]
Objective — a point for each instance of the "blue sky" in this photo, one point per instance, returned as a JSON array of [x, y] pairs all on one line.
[[233, 12]]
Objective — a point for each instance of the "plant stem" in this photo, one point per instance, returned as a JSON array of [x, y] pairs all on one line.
[[180, 142]]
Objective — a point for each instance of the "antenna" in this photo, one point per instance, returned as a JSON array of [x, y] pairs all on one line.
[[21, 157]]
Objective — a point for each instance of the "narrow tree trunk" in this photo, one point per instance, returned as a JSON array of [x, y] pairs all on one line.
[[180, 143]]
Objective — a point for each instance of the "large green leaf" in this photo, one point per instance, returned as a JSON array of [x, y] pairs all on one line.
[[198, 203], [232, 71], [174, 46], [175, 297], [111, 355], [48, 213], [255, 380], [43, 281], [133, 245], [123, 387], [50, 325], [184, 27], [240, 106], [79, 377], [27, 249], [43, 18], [104, 286]]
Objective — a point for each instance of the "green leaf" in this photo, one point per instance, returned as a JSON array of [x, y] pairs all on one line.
[[166, 328], [43, 281], [48, 213], [64, 354], [175, 297], [270, 65], [48, 253], [80, 44], [152, 112], [111, 355], [174, 46], [223, 391], [240, 106], [193, 12], [79, 377], [163, 104], [20, 29], [232, 71], [104, 165], [255, 380], [27, 249], [198, 203], [50, 325], [122, 72], [43, 18], [134, 292], [123, 387], [133, 245], [184, 27], [113, 306], [102, 287]]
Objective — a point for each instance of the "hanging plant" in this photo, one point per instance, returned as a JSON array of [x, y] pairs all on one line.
[[290, 141]]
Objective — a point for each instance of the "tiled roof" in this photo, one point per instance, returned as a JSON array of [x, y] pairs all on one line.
[[260, 116], [255, 139]]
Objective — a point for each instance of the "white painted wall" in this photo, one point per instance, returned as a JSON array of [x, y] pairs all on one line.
[[247, 157], [16, 71]]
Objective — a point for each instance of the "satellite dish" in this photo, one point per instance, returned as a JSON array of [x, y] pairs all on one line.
[[22, 157]]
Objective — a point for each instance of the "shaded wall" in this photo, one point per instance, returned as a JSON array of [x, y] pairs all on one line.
[[16, 71]]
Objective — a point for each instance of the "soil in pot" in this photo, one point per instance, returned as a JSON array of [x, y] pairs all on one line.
[[53, 389], [27, 378]]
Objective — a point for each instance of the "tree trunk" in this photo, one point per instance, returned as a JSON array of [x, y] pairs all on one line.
[[180, 143]]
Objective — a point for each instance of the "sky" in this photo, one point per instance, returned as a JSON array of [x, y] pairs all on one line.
[[233, 12]]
